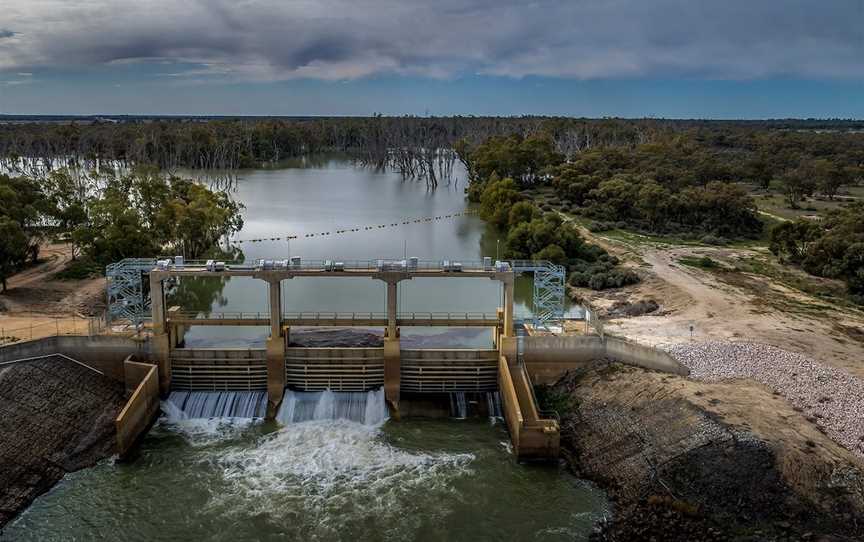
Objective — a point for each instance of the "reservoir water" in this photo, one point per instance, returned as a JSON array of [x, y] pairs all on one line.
[[330, 195], [314, 476]]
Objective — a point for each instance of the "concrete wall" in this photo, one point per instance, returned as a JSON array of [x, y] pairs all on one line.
[[102, 352], [141, 409], [509, 403], [548, 357], [643, 356]]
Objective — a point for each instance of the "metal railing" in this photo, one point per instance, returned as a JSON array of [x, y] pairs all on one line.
[[377, 264], [40, 327], [405, 317]]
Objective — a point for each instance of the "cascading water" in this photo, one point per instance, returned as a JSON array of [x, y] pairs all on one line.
[[190, 405], [458, 405], [493, 405], [368, 408]]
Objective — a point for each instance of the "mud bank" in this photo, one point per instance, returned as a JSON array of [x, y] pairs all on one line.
[[685, 460], [55, 417]]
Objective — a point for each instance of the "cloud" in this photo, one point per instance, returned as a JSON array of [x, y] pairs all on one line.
[[350, 39]]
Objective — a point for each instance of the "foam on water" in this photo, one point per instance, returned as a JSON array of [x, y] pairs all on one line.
[[336, 473]]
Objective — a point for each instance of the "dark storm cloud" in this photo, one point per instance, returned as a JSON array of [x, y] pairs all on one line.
[[336, 39]]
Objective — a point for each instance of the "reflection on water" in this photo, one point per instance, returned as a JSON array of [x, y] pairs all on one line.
[[317, 480], [329, 195]]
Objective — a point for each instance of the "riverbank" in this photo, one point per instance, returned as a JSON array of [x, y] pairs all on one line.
[[685, 460], [56, 417]]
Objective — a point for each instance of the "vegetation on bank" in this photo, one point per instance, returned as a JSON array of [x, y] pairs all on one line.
[[110, 216], [679, 179], [532, 234], [695, 184], [831, 248]]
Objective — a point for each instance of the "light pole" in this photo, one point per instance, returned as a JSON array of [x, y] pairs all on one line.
[[497, 242]]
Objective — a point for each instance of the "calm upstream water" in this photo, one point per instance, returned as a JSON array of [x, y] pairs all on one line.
[[222, 479], [314, 197]]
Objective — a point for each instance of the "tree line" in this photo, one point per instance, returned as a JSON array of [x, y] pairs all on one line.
[[109, 216], [695, 182], [417, 147], [832, 248]]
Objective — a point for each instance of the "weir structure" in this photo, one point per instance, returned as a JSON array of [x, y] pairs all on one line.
[[416, 371]]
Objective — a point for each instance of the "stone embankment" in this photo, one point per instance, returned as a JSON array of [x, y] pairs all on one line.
[[56, 416], [829, 397], [687, 460]]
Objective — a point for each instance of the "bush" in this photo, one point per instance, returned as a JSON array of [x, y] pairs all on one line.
[[711, 239], [704, 262], [595, 226], [601, 275], [82, 268]]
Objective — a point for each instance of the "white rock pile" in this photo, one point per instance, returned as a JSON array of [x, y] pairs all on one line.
[[832, 396]]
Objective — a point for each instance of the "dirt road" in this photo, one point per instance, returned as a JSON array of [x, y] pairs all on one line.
[[36, 304], [734, 306]]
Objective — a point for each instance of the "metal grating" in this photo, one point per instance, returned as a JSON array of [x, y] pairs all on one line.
[[548, 299], [126, 293]]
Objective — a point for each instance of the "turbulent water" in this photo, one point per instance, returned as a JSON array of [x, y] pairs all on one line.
[[325, 478]]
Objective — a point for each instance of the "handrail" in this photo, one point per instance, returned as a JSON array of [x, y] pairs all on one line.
[[317, 315], [389, 264]]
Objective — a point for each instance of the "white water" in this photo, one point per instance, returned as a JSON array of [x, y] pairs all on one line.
[[335, 476], [493, 405], [191, 405], [458, 405], [367, 408]]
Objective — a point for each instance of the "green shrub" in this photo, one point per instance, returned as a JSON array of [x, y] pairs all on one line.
[[713, 240], [82, 268], [704, 262]]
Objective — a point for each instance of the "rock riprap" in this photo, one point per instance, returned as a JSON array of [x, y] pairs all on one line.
[[56, 416], [831, 397]]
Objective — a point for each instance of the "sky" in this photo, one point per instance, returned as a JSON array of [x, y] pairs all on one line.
[[627, 58]]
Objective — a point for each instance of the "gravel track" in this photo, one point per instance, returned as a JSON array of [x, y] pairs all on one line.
[[832, 397]]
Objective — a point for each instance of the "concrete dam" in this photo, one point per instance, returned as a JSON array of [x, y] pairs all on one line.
[[346, 381], [369, 384]]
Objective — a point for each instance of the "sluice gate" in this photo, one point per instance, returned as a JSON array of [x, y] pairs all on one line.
[[204, 369], [335, 369]]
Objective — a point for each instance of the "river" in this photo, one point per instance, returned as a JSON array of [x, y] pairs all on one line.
[[329, 479], [327, 196]]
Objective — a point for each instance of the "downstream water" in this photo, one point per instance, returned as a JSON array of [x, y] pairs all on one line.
[[318, 480], [320, 196], [312, 477]]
